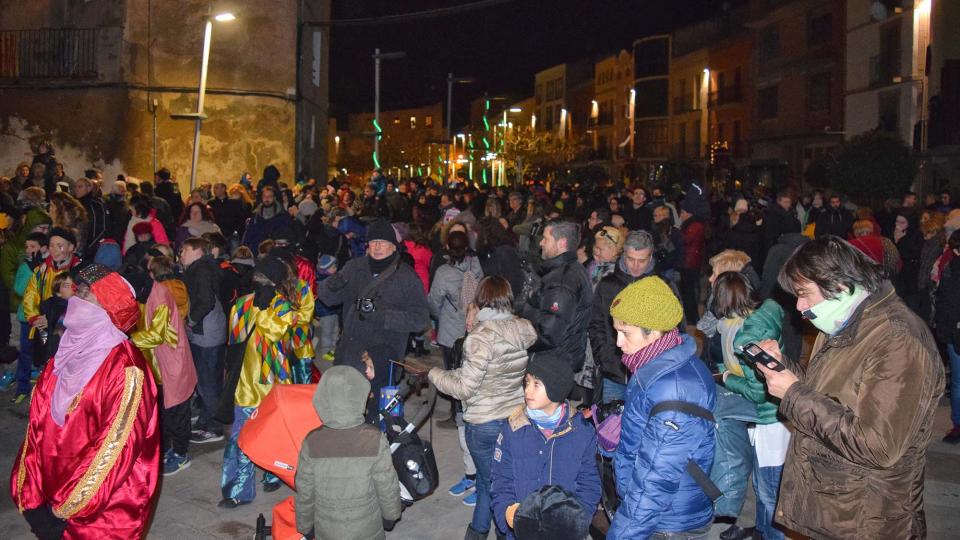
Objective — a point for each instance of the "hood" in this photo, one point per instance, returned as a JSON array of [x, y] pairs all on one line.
[[793, 240], [341, 397], [271, 174]]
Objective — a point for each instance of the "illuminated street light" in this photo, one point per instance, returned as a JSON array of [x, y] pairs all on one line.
[[198, 117], [515, 109]]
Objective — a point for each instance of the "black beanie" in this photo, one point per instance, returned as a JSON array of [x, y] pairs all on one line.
[[381, 229], [64, 233], [554, 371], [550, 513]]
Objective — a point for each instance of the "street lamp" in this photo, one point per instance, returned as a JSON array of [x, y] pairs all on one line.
[[450, 82], [198, 117], [377, 57]]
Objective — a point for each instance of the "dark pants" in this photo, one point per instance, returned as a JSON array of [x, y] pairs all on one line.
[[175, 425], [690, 294], [24, 360], [455, 405], [209, 364]]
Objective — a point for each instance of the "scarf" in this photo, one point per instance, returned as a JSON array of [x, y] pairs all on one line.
[[491, 314], [86, 343], [546, 422], [637, 360], [199, 228], [377, 267]]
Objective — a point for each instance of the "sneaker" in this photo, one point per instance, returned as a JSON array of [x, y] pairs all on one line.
[[6, 381], [328, 356], [34, 374], [231, 502], [175, 463], [952, 436], [270, 487], [18, 399], [203, 437], [471, 499], [465, 484]]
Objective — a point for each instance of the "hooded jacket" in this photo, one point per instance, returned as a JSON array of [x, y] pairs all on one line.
[[524, 460], [346, 484], [444, 299], [494, 362], [764, 323], [863, 413], [560, 310], [658, 495]]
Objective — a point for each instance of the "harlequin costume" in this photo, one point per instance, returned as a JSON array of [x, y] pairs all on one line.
[[40, 286], [263, 320], [301, 333], [89, 463]]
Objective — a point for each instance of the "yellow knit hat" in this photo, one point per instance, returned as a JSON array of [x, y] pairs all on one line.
[[648, 303]]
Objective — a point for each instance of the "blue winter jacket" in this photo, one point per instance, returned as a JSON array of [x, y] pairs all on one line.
[[656, 492], [524, 460]]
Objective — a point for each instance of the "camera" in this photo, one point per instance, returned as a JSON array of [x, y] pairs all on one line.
[[366, 305]]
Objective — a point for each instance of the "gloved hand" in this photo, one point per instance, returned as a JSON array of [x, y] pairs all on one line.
[[44, 524]]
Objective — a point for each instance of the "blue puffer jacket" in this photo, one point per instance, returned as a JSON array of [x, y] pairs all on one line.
[[655, 490], [524, 460]]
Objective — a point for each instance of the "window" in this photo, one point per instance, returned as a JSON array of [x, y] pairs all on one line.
[[819, 29], [818, 92], [769, 44], [888, 108], [428, 120], [769, 102], [539, 93], [885, 66], [413, 122]]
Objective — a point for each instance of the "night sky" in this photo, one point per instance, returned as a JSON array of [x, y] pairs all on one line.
[[502, 46]]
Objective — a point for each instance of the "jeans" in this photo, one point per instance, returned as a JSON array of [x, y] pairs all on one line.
[[209, 364], [327, 333], [954, 384], [481, 439], [766, 485], [24, 360], [696, 534], [612, 390], [733, 456]]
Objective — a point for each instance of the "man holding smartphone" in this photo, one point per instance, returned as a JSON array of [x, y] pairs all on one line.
[[863, 408]]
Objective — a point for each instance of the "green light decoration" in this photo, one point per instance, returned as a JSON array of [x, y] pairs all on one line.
[[376, 162], [486, 124], [484, 171], [419, 171], [486, 143], [379, 131], [439, 159], [486, 105]]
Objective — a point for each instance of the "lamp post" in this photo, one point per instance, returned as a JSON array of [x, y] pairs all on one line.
[[450, 82], [198, 117], [377, 57]]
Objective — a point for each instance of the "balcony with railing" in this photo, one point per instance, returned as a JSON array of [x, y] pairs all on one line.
[[48, 54], [685, 103]]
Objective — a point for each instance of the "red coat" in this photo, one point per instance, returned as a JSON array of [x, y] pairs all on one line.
[[99, 470], [694, 234]]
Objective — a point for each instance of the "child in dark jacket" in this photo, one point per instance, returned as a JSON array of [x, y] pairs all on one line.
[[54, 308], [544, 443]]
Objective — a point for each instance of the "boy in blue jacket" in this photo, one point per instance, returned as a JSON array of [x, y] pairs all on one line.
[[545, 442]]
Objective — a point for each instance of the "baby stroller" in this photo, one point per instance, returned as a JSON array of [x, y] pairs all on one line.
[[271, 438]]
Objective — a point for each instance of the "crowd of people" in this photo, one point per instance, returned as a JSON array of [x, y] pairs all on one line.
[[594, 342]]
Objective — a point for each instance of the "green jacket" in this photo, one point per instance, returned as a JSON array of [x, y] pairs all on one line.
[[764, 323], [345, 481], [11, 252]]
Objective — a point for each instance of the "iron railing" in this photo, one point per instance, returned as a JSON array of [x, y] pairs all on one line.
[[66, 53]]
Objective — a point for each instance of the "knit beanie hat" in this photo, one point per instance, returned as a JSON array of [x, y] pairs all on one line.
[[381, 230], [648, 303], [307, 207], [554, 371], [64, 233]]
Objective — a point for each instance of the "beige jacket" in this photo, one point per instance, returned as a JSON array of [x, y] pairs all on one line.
[[494, 362]]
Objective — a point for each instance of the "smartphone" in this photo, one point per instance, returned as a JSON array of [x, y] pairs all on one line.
[[753, 354]]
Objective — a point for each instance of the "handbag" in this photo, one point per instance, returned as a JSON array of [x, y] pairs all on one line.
[[606, 418]]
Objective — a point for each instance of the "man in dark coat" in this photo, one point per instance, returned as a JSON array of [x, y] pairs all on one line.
[[834, 219], [169, 191], [229, 214], [779, 220], [560, 310], [379, 315], [270, 219], [95, 228]]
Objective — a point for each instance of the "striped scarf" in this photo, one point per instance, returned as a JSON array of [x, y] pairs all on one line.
[[638, 359]]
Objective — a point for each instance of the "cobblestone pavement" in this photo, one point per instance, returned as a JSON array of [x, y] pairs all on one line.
[[187, 509]]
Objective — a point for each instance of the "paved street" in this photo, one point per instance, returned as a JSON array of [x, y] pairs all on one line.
[[187, 503]]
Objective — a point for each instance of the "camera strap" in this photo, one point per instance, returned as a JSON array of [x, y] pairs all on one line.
[[372, 287]]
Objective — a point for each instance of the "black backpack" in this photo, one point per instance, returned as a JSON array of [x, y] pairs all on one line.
[[413, 459]]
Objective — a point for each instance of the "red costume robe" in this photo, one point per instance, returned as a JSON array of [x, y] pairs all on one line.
[[99, 470]]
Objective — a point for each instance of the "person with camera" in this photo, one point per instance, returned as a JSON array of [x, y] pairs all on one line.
[[863, 407], [382, 297]]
